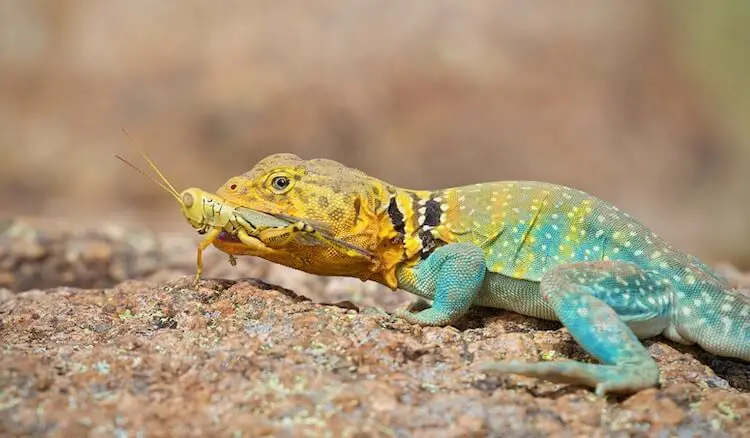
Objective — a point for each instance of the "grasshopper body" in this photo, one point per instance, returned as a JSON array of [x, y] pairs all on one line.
[[211, 216]]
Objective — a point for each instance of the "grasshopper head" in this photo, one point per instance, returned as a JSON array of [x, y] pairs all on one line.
[[191, 203]]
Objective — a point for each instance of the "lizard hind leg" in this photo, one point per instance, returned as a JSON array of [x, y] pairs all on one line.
[[606, 306]]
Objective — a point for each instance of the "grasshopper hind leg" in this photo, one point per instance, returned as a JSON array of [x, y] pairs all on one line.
[[306, 234], [279, 237]]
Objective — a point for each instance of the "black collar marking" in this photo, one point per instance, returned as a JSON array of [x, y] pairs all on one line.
[[397, 218]]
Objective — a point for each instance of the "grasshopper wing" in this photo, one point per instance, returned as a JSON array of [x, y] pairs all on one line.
[[319, 236], [259, 219], [320, 227]]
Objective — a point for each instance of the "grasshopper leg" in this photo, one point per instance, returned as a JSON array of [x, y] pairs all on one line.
[[255, 244], [205, 243], [279, 237]]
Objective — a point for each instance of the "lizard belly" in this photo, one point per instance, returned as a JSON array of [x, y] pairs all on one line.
[[518, 295], [497, 291]]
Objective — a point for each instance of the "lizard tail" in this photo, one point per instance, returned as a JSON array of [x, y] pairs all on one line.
[[719, 322]]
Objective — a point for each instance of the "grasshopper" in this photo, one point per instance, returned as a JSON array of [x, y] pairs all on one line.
[[261, 233]]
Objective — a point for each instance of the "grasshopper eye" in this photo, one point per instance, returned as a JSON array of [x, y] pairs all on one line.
[[280, 183], [188, 200]]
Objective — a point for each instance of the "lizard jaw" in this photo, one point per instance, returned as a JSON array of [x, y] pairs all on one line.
[[226, 237]]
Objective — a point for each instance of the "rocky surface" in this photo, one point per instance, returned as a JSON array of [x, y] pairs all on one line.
[[242, 356]]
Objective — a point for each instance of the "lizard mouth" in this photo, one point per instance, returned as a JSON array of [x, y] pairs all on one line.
[[226, 237]]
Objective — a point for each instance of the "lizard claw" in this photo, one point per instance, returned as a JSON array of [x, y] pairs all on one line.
[[402, 314]]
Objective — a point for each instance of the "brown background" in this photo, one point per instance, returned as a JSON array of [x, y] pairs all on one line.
[[642, 103]]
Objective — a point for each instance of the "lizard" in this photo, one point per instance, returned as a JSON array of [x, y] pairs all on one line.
[[540, 249]]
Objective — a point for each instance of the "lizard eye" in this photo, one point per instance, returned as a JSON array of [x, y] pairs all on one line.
[[280, 183]]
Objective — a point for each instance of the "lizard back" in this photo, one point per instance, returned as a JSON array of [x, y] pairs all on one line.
[[528, 227]]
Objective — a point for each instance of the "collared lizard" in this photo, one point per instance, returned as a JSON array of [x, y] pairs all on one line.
[[535, 248]]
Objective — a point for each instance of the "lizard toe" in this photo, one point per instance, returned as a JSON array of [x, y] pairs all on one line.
[[603, 378]]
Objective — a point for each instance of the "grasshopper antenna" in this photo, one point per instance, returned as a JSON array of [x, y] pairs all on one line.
[[151, 164], [169, 189], [164, 183]]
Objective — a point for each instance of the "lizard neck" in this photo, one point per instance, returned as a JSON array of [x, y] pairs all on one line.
[[406, 224]]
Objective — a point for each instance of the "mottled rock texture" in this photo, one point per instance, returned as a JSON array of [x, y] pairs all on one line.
[[244, 357]]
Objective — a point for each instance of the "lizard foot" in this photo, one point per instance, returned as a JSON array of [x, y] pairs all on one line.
[[455, 272], [427, 317], [604, 378]]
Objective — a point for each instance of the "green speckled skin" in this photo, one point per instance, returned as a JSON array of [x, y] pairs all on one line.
[[538, 249], [557, 253]]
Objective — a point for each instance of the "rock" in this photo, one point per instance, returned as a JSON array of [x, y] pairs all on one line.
[[245, 355], [159, 357]]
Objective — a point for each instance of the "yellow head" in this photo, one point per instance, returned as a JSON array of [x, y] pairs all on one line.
[[320, 191], [192, 208], [344, 202]]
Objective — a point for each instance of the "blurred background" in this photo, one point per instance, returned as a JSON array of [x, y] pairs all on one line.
[[643, 103]]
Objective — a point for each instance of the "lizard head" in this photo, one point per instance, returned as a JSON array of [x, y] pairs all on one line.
[[318, 190], [344, 202]]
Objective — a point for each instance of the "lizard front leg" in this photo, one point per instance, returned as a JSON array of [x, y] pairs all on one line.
[[453, 275], [605, 306]]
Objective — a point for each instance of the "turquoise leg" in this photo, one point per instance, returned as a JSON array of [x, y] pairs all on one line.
[[453, 275], [605, 306]]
